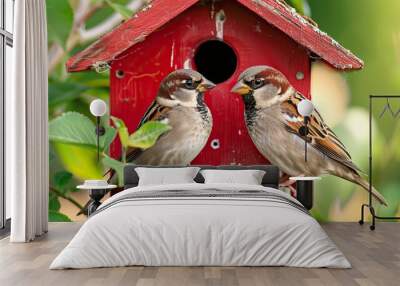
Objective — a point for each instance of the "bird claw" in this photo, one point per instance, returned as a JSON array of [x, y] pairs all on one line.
[[289, 184], [293, 191]]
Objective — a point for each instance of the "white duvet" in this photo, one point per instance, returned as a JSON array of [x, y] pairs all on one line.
[[203, 231]]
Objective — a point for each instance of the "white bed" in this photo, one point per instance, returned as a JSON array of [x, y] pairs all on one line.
[[226, 225]]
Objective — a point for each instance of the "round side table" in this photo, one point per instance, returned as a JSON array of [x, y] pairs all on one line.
[[96, 193]]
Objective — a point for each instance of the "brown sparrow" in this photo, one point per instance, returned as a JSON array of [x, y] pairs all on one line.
[[273, 123], [180, 104]]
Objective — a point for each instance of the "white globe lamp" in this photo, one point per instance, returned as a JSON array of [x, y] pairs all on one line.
[[98, 108], [305, 107]]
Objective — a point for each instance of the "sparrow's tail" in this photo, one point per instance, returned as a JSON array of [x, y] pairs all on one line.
[[365, 184], [354, 177]]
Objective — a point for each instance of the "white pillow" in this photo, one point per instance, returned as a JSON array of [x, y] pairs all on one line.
[[164, 176], [247, 177]]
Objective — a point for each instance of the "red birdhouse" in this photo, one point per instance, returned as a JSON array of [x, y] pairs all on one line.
[[219, 39]]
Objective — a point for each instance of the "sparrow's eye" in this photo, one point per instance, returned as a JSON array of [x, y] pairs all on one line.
[[256, 83], [189, 84]]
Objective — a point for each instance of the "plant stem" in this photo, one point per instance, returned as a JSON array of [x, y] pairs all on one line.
[[68, 198]]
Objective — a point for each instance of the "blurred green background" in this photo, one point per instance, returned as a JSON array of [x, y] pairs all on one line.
[[369, 28]]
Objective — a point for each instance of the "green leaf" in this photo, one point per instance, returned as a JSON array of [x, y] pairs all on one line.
[[147, 135], [54, 203], [60, 18], [55, 216], [79, 160], [75, 128], [117, 166], [124, 137], [61, 179], [121, 9], [107, 138], [118, 123], [122, 131]]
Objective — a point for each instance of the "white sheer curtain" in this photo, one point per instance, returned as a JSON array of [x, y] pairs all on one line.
[[26, 124]]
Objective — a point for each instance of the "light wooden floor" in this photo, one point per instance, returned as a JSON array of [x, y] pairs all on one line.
[[375, 257]]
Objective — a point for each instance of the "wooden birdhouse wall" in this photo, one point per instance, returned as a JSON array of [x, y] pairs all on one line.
[[136, 73]]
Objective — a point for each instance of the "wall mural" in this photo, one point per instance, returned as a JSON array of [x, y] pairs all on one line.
[[217, 83]]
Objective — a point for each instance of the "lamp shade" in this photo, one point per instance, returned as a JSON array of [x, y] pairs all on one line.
[[305, 107], [98, 107]]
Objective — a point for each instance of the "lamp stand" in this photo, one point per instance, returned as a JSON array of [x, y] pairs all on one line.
[[303, 131], [100, 131]]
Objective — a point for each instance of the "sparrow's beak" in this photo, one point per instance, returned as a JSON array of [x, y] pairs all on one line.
[[205, 85], [241, 88]]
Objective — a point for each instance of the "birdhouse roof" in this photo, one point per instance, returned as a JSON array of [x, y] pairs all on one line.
[[158, 12]]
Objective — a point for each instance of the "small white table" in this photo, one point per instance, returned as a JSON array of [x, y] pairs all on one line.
[[305, 190], [96, 193]]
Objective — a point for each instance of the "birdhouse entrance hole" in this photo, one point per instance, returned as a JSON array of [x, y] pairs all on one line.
[[216, 60]]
